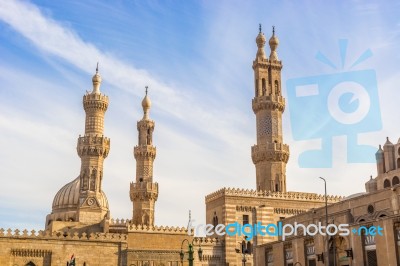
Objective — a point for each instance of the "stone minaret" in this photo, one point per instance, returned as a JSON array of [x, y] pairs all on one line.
[[144, 192], [93, 148], [270, 155]]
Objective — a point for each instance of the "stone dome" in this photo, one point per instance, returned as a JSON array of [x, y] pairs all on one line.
[[260, 40], [96, 78], [146, 103], [67, 198], [273, 41]]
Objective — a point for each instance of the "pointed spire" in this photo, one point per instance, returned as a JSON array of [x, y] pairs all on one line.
[[146, 104], [96, 80], [273, 44], [260, 40]]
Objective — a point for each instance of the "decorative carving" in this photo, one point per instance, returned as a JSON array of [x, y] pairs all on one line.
[[91, 201], [272, 152], [270, 102], [303, 196], [288, 211], [30, 252], [245, 208]]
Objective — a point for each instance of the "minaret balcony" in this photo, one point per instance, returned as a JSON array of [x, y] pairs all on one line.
[[145, 151], [266, 63], [268, 102], [276, 152], [93, 146], [94, 101], [143, 190]]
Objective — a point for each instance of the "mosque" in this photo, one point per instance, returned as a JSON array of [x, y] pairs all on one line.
[[79, 223]]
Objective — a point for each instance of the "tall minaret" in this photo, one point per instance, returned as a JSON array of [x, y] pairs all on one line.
[[270, 155], [144, 192], [93, 148]]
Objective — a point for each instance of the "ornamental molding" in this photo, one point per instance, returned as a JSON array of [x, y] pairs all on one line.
[[30, 252], [271, 102], [300, 196], [288, 211]]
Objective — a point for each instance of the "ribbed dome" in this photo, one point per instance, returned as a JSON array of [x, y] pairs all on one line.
[[67, 198]]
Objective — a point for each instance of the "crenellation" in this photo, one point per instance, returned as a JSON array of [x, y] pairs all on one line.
[[271, 195]]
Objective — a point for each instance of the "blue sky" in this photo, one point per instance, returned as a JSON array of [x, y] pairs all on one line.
[[196, 57]]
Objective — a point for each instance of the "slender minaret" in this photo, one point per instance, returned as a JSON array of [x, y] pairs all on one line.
[[270, 155], [144, 192], [93, 148]]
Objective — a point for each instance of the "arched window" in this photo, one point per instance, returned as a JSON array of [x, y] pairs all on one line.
[[257, 92], [264, 87], [395, 181], [215, 219], [30, 264], [398, 162], [244, 247], [249, 247], [277, 90], [386, 183], [148, 136], [276, 187]]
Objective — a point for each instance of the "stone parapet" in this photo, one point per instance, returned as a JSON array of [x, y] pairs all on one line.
[[300, 196], [143, 190], [158, 229], [93, 146], [65, 235], [95, 101], [266, 63], [268, 102], [271, 152], [145, 151]]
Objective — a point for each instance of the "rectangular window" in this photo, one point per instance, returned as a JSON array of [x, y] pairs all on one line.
[[312, 262], [245, 219], [371, 258]]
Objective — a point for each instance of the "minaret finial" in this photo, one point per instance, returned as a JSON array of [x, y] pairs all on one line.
[[273, 44], [146, 104], [96, 80], [259, 28]]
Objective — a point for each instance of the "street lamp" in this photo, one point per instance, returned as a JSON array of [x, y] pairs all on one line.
[[244, 251], [190, 252], [326, 221]]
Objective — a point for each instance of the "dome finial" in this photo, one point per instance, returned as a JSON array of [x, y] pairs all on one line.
[[273, 44], [146, 104], [260, 40], [96, 80]]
